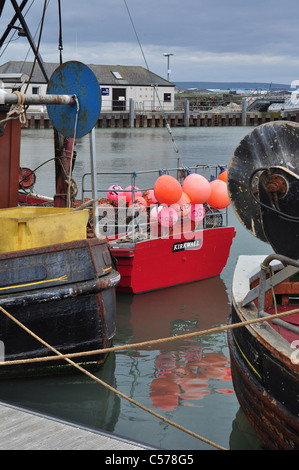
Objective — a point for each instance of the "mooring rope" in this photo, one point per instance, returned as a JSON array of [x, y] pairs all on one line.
[[101, 382], [59, 355], [142, 344], [72, 152]]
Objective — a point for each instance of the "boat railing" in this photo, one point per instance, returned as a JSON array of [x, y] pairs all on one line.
[[130, 218], [269, 277]]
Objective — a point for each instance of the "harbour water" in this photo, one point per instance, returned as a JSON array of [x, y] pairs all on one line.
[[186, 381]]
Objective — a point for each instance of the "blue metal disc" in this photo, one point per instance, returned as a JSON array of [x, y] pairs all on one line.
[[75, 78]]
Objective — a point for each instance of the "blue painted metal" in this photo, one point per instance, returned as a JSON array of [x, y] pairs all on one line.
[[75, 78]]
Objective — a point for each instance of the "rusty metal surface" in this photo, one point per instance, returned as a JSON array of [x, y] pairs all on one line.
[[10, 162], [13, 98], [271, 144]]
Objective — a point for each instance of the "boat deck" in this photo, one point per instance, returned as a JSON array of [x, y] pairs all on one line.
[[24, 430]]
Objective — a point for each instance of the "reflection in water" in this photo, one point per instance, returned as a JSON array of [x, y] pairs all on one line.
[[75, 398], [183, 368], [183, 377], [243, 436]]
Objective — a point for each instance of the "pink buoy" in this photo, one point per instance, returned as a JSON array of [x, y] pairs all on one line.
[[197, 212], [138, 201], [168, 217], [219, 196], [197, 187], [167, 190], [128, 193], [149, 196], [184, 204], [139, 205], [155, 212], [114, 192]]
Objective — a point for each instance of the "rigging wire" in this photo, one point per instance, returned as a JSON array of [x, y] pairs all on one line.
[[15, 31], [60, 45], [153, 82], [46, 2]]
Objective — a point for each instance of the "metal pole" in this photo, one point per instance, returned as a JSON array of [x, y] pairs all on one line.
[[167, 54], [131, 113], [244, 112], [94, 183], [14, 98]]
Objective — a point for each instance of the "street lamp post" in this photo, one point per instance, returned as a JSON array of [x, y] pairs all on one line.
[[167, 54]]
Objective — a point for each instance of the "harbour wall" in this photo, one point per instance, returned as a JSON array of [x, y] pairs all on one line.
[[183, 117], [174, 119]]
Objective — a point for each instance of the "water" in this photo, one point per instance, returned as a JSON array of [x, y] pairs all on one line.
[[186, 381]]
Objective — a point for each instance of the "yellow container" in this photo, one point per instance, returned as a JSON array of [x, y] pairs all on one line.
[[32, 227]]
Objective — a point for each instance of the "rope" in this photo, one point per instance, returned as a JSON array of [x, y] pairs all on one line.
[[72, 153], [59, 355], [101, 382], [143, 343], [18, 109]]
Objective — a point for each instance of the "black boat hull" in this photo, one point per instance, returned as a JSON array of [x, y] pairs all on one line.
[[266, 388], [68, 300]]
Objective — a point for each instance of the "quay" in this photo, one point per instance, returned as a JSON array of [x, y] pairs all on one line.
[[180, 118], [26, 430]]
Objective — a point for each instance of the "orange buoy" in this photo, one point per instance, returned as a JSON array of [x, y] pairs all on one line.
[[168, 216], [197, 188], [167, 190], [219, 196], [223, 176]]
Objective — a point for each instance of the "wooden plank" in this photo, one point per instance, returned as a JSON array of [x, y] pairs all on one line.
[[24, 430]]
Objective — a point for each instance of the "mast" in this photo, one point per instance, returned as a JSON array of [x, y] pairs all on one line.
[[63, 145]]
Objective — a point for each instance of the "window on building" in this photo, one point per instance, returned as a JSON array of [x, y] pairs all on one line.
[[117, 75], [35, 90], [167, 96]]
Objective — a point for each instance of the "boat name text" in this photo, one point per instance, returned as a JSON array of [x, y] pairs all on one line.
[[189, 245]]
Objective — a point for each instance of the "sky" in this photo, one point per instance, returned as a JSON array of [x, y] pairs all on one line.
[[211, 40]]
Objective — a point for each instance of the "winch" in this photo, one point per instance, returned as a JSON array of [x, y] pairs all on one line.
[[263, 185]]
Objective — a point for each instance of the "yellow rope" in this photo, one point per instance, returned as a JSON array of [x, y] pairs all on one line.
[[59, 355], [144, 343], [77, 366]]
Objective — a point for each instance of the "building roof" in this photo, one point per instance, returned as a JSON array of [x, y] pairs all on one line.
[[115, 75]]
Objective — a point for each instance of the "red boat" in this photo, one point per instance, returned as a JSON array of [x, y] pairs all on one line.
[[147, 265], [151, 256], [148, 254]]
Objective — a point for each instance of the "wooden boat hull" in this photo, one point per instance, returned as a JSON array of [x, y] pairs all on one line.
[[63, 293], [265, 376], [163, 262]]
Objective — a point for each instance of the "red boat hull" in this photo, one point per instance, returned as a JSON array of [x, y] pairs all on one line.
[[164, 262]]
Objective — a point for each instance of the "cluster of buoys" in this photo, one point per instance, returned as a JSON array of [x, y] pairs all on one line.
[[173, 200]]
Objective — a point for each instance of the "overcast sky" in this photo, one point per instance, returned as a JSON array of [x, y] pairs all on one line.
[[212, 40]]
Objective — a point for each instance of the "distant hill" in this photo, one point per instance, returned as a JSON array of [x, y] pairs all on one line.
[[232, 85]]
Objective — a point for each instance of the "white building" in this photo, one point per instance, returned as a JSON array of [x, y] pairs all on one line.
[[119, 84]]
